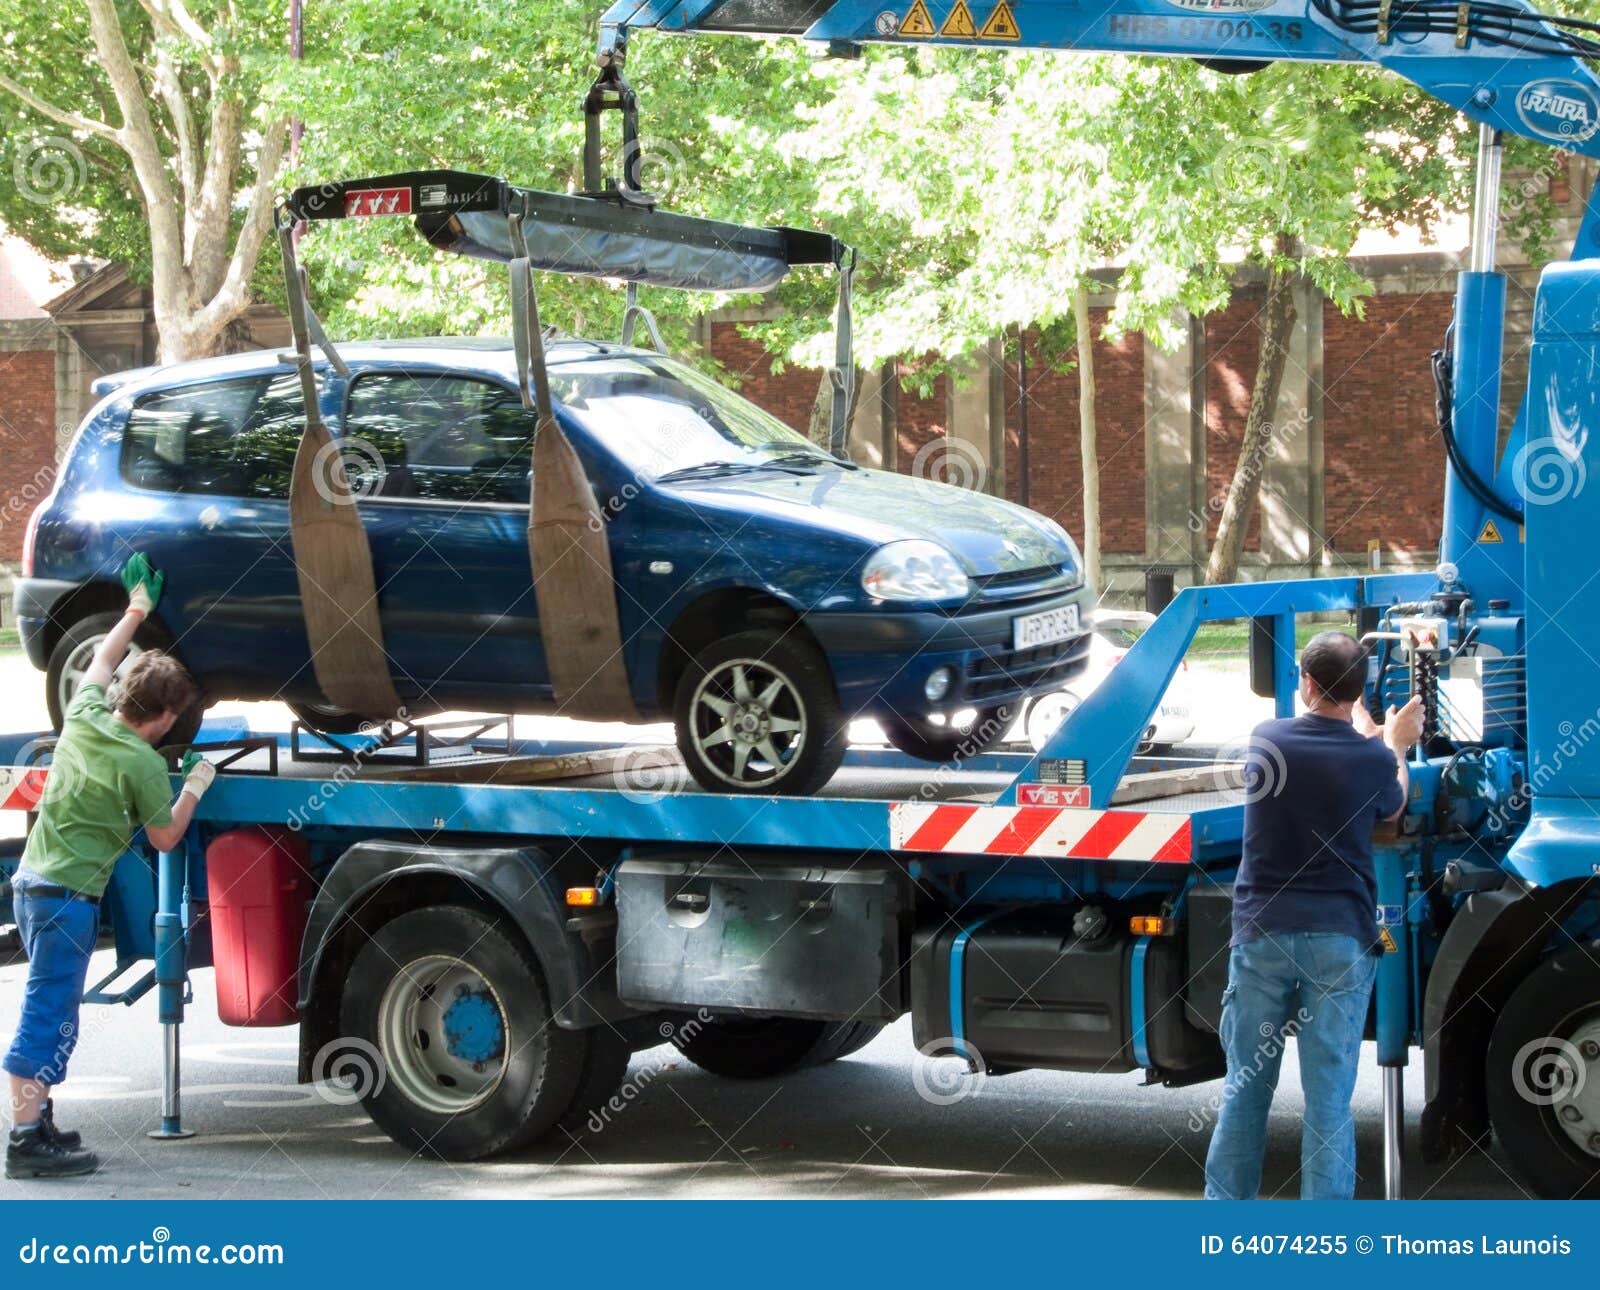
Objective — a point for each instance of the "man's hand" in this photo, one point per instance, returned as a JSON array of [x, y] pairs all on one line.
[[1402, 728], [144, 584], [1363, 722], [197, 775]]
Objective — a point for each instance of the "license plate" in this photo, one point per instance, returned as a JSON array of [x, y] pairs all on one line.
[[1044, 629]]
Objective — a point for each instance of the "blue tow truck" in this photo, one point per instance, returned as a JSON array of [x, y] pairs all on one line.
[[1065, 910]]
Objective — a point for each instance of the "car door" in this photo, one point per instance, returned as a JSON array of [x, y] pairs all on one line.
[[207, 468], [440, 464]]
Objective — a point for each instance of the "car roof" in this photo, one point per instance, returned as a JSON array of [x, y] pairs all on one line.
[[485, 355]]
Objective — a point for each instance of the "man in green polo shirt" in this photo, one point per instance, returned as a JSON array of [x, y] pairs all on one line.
[[105, 781]]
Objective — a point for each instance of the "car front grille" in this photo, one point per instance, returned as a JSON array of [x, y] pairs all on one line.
[[1004, 672], [1016, 583]]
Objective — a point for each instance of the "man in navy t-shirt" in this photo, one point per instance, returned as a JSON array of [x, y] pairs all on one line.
[[1305, 918]]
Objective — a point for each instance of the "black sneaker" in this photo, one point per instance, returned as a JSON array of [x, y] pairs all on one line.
[[68, 1138], [31, 1154]]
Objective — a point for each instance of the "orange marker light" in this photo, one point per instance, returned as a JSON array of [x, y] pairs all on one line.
[[583, 897], [1149, 925]]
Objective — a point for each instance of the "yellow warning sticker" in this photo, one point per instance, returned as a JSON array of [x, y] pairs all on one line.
[[1389, 946], [1002, 24], [959, 25], [1491, 534], [918, 21]]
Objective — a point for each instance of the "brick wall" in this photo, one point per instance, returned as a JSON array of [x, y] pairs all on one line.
[[1055, 469], [1383, 459], [788, 395], [27, 440], [919, 420]]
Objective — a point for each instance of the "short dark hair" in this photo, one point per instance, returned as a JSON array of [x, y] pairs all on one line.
[[155, 683], [1336, 662]]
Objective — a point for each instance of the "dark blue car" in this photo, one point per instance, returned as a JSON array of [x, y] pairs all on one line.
[[767, 591]]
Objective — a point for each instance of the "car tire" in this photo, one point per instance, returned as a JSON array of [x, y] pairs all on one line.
[[928, 740], [495, 1077], [1547, 1040], [783, 678], [327, 719], [765, 1047], [75, 649]]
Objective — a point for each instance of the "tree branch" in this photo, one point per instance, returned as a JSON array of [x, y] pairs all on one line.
[[72, 120]]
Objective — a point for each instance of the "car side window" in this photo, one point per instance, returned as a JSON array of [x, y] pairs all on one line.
[[232, 438], [415, 436]]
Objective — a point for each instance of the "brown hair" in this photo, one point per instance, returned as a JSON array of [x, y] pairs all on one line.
[[153, 684]]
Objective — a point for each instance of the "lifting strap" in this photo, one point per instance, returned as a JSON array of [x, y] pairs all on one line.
[[842, 375], [568, 551], [633, 312], [332, 557]]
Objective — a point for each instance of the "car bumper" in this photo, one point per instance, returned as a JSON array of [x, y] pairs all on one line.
[[33, 602], [882, 660]]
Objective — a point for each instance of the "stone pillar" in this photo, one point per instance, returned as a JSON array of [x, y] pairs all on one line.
[[1175, 450], [970, 417], [1291, 481], [869, 443]]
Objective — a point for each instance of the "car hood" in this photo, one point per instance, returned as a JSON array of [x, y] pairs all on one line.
[[987, 535]]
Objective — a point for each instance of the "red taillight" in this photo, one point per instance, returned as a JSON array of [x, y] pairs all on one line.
[[27, 539]]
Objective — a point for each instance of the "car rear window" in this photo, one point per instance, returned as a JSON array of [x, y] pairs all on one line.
[[235, 438], [427, 437]]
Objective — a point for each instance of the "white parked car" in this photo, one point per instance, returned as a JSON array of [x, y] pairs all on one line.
[[1115, 630]]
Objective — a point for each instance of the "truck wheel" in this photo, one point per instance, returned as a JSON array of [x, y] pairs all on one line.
[[605, 1066], [928, 739], [472, 1062], [761, 1047], [756, 712], [73, 653], [1543, 1076]]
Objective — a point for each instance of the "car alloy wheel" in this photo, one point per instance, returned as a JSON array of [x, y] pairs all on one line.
[[749, 722]]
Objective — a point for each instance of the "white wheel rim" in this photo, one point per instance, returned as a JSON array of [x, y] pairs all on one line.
[[1577, 1106], [443, 1035], [748, 722], [1046, 715], [77, 664]]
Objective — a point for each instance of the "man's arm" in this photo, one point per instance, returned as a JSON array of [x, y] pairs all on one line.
[[197, 778], [144, 589], [1400, 731]]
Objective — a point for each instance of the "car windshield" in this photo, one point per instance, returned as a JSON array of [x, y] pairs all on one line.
[[660, 417]]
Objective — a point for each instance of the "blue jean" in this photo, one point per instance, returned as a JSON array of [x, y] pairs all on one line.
[[1316, 986], [59, 936]]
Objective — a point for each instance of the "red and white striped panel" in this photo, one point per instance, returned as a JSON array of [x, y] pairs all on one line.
[[21, 787], [1040, 831]]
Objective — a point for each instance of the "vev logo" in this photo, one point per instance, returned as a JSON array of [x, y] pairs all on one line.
[[1559, 109]]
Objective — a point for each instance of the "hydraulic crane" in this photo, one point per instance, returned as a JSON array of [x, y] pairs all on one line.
[[1494, 873]]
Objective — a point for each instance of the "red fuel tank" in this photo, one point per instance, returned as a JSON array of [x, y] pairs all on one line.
[[260, 889]]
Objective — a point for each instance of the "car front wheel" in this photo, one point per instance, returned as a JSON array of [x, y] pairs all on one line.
[[942, 739], [756, 712], [75, 651]]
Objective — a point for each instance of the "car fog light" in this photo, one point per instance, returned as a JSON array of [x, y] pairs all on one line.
[[938, 684]]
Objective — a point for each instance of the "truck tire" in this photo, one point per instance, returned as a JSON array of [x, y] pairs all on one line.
[[470, 1061], [1543, 1076], [762, 1047], [928, 740], [762, 677], [76, 648], [605, 1065]]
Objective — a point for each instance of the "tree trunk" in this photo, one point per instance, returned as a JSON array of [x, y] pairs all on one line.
[[820, 428], [1086, 439], [1276, 325]]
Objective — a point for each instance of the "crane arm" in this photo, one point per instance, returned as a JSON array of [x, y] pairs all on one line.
[[1500, 62]]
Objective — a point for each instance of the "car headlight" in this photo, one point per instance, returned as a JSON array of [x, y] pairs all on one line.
[[914, 570]]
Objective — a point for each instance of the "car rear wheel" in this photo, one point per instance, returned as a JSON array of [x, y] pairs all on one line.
[[756, 712], [1045, 715], [329, 719], [75, 651], [942, 739]]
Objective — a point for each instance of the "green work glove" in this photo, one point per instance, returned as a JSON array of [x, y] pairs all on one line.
[[189, 762], [197, 774], [143, 583]]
